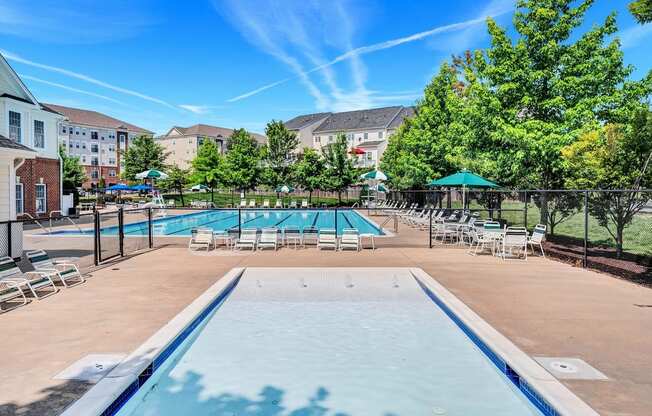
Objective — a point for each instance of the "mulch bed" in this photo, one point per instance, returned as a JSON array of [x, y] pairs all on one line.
[[632, 267]]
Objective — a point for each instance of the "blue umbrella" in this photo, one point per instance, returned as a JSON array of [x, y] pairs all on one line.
[[141, 188], [119, 187]]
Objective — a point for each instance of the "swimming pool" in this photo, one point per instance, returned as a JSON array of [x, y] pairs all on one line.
[[336, 342], [223, 220]]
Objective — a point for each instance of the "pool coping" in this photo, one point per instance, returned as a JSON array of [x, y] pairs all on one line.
[[104, 394], [532, 378], [543, 390]]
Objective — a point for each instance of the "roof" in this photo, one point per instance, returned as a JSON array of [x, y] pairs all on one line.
[[300, 122], [370, 143], [376, 118], [406, 112], [95, 119], [210, 131], [10, 144]]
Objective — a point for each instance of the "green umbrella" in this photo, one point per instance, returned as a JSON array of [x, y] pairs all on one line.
[[465, 179], [152, 174], [374, 175], [379, 188], [285, 189]]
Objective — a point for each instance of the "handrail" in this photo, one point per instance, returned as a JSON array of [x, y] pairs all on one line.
[[388, 219], [28, 215], [68, 218]]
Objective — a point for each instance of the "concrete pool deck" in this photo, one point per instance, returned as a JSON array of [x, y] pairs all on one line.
[[545, 307]]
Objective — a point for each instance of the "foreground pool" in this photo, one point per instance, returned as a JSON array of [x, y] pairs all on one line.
[[332, 342]]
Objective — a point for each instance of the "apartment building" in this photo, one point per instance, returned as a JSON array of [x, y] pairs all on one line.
[[367, 131], [99, 141], [30, 167], [182, 143]]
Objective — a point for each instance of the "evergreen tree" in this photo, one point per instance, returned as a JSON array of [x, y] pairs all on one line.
[[339, 173], [142, 154]]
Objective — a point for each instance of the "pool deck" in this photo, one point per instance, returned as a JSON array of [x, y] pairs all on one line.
[[545, 307]]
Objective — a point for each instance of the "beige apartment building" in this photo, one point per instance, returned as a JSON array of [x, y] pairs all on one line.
[[182, 143]]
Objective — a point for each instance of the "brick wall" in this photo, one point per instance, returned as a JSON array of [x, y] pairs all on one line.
[[104, 173], [30, 174]]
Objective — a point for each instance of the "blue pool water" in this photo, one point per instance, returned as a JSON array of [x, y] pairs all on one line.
[[328, 343], [181, 225]]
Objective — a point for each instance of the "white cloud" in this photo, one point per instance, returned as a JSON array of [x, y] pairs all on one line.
[[66, 87], [496, 7], [15, 58], [197, 109], [632, 36]]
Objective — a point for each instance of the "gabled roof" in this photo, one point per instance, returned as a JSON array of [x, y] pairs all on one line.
[[10, 144], [300, 122], [376, 118], [406, 112], [209, 131], [15, 88], [95, 119]]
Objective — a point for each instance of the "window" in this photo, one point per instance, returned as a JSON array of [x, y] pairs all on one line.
[[112, 173], [63, 129], [20, 205], [380, 134], [94, 135], [318, 139], [14, 127], [95, 174], [41, 198], [122, 138], [349, 137], [83, 158], [83, 145], [94, 147], [111, 148], [76, 145], [39, 134], [84, 132], [370, 156], [77, 131], [111, 161], [330, 139], [366, 136], [70, 144], [94, 161]]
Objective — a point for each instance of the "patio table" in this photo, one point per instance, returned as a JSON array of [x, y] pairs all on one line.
[[371, 239]]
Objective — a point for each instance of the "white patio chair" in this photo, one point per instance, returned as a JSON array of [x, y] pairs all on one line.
[[327, 238], [10, 291], [537, 238], [252, 203], [266, 203], [33, 281], [243, 203], [350, 239], [278, 204], [63, 269], [201, 237], [268, 239], [292, 234], [514, 243], [247, 239], [310, 235], [304, 203]]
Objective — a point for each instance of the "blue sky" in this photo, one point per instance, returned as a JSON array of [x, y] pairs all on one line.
[[240, 63]]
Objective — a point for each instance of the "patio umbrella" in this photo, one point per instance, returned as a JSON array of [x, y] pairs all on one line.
[[285, 189], [374, 175], [119, 187], [141, 187], [152, 174], [465, 179], [199, 187], [379, 188]]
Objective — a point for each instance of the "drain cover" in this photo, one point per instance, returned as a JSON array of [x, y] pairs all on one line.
[[91, 368], [570, 368]]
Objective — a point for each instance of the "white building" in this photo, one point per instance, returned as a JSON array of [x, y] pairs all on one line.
[[367, 131]]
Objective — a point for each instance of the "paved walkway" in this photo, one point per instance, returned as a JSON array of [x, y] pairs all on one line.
[[547, 308]]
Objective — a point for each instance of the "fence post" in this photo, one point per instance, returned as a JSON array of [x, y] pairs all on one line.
[[96, 239], [335, 220], [239, 221], [525, 210], [9, 238], [121, 231], [430, 229], [586, 229], [149, 227]]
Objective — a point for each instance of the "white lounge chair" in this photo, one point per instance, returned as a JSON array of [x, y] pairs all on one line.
[[266, 203], [293, 204], [268, 239], [252, 203], [537, 238], [33, 281], [63, 269], [350, 239], [304, 203], [485, 237], [310, 235], [10, 291], [514, 243], [278, 204], [201, 237], [243, 203], [247, 239], [291, 234], [327, 238]]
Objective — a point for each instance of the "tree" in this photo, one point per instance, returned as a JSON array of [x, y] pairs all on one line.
[[339, 173], [73, 172], [278, 153], [208, 166], [142, 154], [614, 157], [242, 161], [177, 180], [641, 10], [308, 171]]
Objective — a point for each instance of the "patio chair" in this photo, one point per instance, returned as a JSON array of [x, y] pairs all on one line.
[[485, 237], [293, 204], [278, 204], [201, 237], [310, 235], [252, 203], [304, 203], [248, 238], [265, 203], [268, 239], [537, 238], [33, 281], [10, 291], [514, 240], [291, 234], [350, 239], [63, 269], [327, 238], [243, 203]]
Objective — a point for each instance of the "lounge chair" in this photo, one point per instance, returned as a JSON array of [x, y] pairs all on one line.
[[268, 239], [514, 240], [278, 204], [350, 239], [9, 291], [266, 203], [291, 234], [247, 239], [310, 235], [486, 236], [201, 237], [34, 281], [63, 269], [537, 238], [293, 204], [252, 203], [243, 203], [304, 203], [327, 238]]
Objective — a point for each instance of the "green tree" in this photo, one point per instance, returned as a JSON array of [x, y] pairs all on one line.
[[339, 173], [177, 180], [308, 170], [611, 158], [641, 10], [74, 174], [143, 153], [242, 161], [278, 153], [208, 166]]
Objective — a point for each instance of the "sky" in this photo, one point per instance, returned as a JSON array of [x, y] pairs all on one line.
[[241, 63]]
